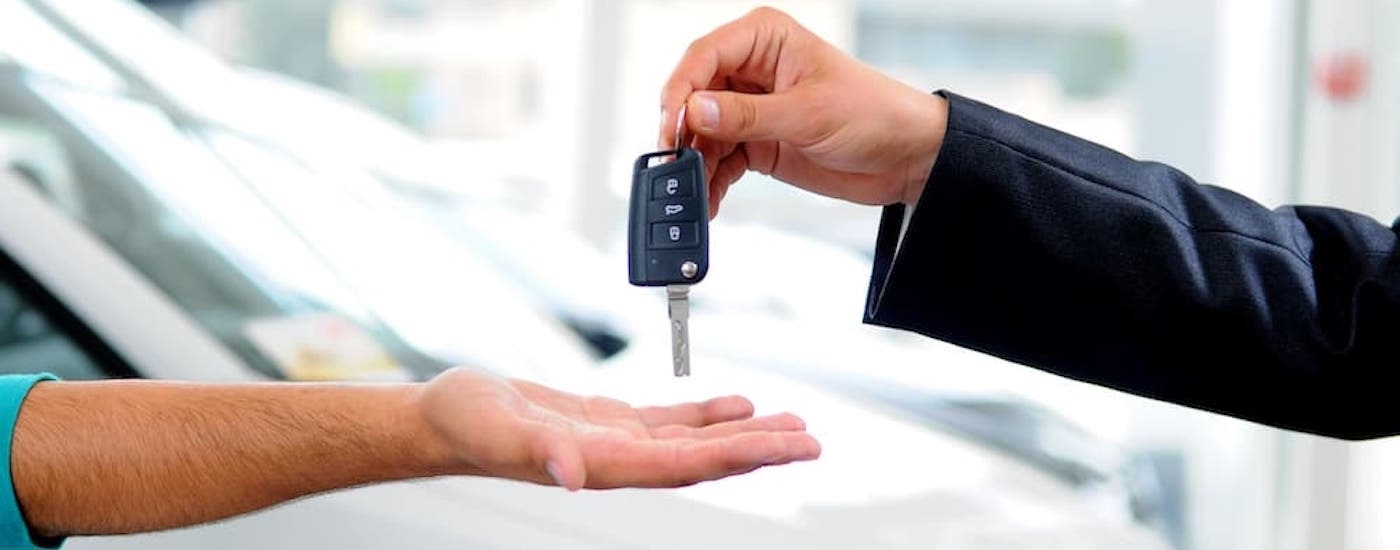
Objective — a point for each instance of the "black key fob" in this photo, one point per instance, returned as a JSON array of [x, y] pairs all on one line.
[[668, 230]]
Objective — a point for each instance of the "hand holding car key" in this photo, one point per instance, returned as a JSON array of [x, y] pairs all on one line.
[[668, 236]]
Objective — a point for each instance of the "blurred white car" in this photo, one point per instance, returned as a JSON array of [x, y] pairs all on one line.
[[151, 225]]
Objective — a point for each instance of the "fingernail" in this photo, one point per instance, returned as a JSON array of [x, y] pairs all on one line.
[[708, 108], [553, 469]]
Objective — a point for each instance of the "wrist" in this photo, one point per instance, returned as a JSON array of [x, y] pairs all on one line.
[[930, 126], [428, 450]]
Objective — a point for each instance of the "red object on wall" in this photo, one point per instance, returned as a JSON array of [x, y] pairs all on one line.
[[1343, 76]]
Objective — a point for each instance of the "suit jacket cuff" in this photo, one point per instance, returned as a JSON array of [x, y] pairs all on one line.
[[882, 305]]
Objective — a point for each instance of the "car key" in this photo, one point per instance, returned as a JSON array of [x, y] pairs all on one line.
[[668, 235]]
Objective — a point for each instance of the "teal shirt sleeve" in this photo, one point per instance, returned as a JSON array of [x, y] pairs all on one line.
[[14, 532]]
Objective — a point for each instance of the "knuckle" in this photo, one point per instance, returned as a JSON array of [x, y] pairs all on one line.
[[671, 90], [747, 115], [766, 13], [696, 47]]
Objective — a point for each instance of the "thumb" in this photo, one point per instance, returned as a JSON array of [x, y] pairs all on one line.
[[563, 461], [736, 117]]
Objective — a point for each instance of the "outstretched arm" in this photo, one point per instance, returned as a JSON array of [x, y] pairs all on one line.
[[1048, 250], [1051, 251], [132, 456]]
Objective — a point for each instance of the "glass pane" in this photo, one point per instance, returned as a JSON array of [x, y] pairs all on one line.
[[420, 281], [175, 211], [27, 40], [145, 44], [29, 343]]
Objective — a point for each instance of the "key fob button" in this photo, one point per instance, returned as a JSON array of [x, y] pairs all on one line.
[[679, 210], [672, 186], [674, 235]]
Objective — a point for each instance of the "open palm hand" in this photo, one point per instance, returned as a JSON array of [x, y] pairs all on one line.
[[520, 430]]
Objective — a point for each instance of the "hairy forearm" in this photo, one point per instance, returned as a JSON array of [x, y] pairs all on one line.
[[131, 456]]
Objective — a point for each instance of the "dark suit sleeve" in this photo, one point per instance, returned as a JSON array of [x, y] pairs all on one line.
[[1047, 250]]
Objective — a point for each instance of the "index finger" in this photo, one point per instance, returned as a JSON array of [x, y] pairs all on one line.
[[698, 415], [677, 463], [713, 58]]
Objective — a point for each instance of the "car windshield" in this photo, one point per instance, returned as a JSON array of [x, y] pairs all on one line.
[[147, 48], [301, 281], [27, 40], [211, 247], [422, 282]]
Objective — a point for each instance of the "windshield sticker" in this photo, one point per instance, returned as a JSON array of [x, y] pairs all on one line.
[[323, 347]]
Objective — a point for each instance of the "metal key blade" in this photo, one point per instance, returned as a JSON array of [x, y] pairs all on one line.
[[678, 307]]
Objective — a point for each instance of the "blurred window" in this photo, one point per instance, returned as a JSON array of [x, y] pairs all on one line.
[[30, 341], [1085, 60], [28, 41], [173, 209], [144, 45], [200, 163]]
